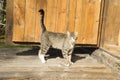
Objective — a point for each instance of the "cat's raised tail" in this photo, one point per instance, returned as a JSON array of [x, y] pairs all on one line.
[[41, 11]]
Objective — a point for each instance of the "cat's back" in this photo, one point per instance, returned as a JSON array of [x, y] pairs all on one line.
[[56, 35], [57, 39]]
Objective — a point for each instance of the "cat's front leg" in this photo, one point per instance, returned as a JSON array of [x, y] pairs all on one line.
[[68, 59], [41, 57], [69, 62], [67, 55]]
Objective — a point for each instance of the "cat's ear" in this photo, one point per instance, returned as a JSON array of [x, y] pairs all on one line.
[[68, 34]]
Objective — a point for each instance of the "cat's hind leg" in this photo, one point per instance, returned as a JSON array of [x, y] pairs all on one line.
[[41, 57], [42, 53]]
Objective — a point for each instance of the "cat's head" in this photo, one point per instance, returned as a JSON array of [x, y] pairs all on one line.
[[72, 36], [41, 11]]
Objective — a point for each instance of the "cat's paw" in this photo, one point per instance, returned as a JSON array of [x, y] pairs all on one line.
[[41, 57], [69, 64], [43, 61]]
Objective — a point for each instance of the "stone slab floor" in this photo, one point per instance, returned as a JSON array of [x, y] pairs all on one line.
[[24, 64]]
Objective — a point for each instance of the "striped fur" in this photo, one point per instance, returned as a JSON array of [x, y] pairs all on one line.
[[64, 42]]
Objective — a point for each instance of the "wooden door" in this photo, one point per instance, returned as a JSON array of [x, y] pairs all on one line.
[[110, 39], [60, 16]]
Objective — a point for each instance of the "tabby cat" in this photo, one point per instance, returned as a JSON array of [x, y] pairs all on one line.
[[64, 42]]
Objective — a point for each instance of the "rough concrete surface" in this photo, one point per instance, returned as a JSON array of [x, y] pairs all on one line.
[[24, 64]]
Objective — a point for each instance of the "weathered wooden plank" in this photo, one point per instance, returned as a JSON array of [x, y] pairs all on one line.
[[92, 21], [9, 22], [87, 20], [71, 15], [79, 18], [101, 29], [51, 15], [30, 19], [61, 16], [19, 20], [111, 28], [112, 11], [41, 4]]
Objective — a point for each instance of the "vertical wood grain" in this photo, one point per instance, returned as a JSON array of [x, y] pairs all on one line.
[[111, 24], [79, 19], [61, 16], [71, 15], [87, 20], [81, 16], [100, 40], [18, 20], [51, 15], [111, 27], [9, 23], [41, 4], [92, 21], [30, 20]]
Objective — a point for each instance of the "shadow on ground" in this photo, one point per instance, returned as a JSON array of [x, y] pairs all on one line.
[[53, 53]]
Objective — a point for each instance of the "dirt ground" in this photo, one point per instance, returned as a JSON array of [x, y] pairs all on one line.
[[24, 64]]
